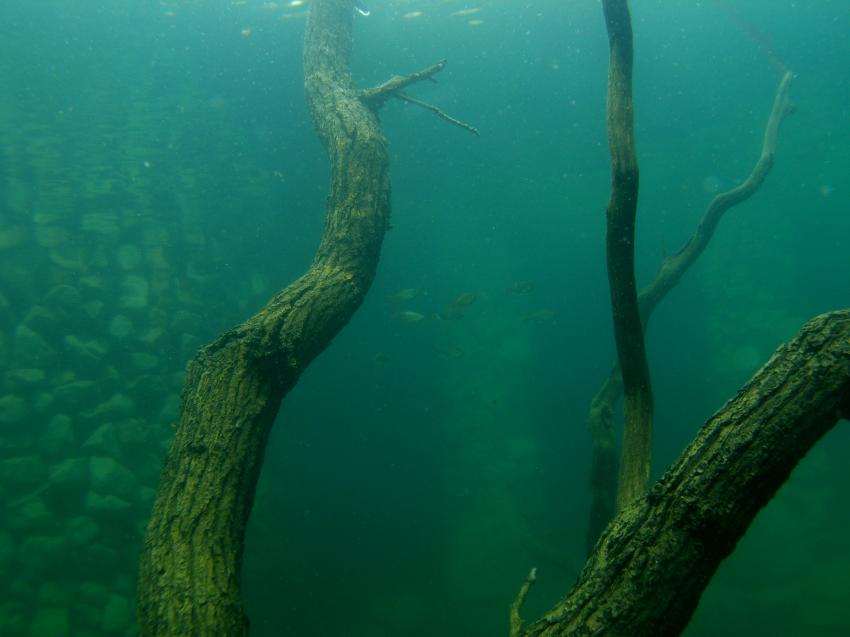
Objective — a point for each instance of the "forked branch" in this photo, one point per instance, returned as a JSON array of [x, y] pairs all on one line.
[[377, 96], [604, 463]]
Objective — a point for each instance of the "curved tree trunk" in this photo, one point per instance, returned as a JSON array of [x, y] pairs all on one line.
[[190, 565], [649, 569]]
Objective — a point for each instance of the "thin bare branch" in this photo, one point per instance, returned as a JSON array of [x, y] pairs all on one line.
[[376, 96], [516, 607], [438, 112]]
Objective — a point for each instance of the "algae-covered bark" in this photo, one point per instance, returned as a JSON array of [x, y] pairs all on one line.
[[649, 569], [189, 572], [620, 250], [603, 474]]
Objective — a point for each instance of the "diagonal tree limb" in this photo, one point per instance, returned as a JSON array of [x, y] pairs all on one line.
[[650, 567], [438, 112], [604, 463], [516, 606], [377, 95]]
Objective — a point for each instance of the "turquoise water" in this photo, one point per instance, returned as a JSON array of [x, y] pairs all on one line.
[[160, 179]]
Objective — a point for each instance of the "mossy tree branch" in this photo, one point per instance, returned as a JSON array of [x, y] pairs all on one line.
[[650, 567], [604, 465], [190, 565], [620, 242]]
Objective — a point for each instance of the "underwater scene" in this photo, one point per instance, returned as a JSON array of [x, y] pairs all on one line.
[[161, 179]]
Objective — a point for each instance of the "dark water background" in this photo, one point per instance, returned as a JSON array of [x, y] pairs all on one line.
[[419, 469]]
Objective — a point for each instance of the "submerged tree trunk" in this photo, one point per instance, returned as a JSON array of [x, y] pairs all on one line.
[[620, 249], [190, 565], [649, 569], [603, 474]]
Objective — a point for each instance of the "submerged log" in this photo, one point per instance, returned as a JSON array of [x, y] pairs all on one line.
[[650, 567]]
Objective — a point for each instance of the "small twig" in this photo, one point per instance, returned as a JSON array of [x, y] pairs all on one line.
[[516, 620], [438, 112], [377, 95]]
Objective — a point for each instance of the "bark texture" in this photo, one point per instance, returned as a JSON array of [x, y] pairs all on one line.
[[649, 569], [604, 464], [620, 244], [190, 565]]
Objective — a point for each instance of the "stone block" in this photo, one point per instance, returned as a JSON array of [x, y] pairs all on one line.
[[110, 477], [50, 621], [58, 438], [116, 613], [30, 349], [23, 471], [43, 552], [70, 474], [81, 530], [14, 410]]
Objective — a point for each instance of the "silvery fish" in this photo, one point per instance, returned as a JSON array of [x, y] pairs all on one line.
[[409, 317]]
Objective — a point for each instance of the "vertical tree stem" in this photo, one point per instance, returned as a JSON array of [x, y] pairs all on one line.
[[620, 240]]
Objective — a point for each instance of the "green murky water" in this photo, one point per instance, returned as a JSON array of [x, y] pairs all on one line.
[[160, 179]]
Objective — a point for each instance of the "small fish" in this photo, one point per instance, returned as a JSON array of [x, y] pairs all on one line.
[[520, 287], [409, 316], [464, 12], [359, 8], [462, 300], [539, 316], [411, 15], [450, 353], [405, 294]]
